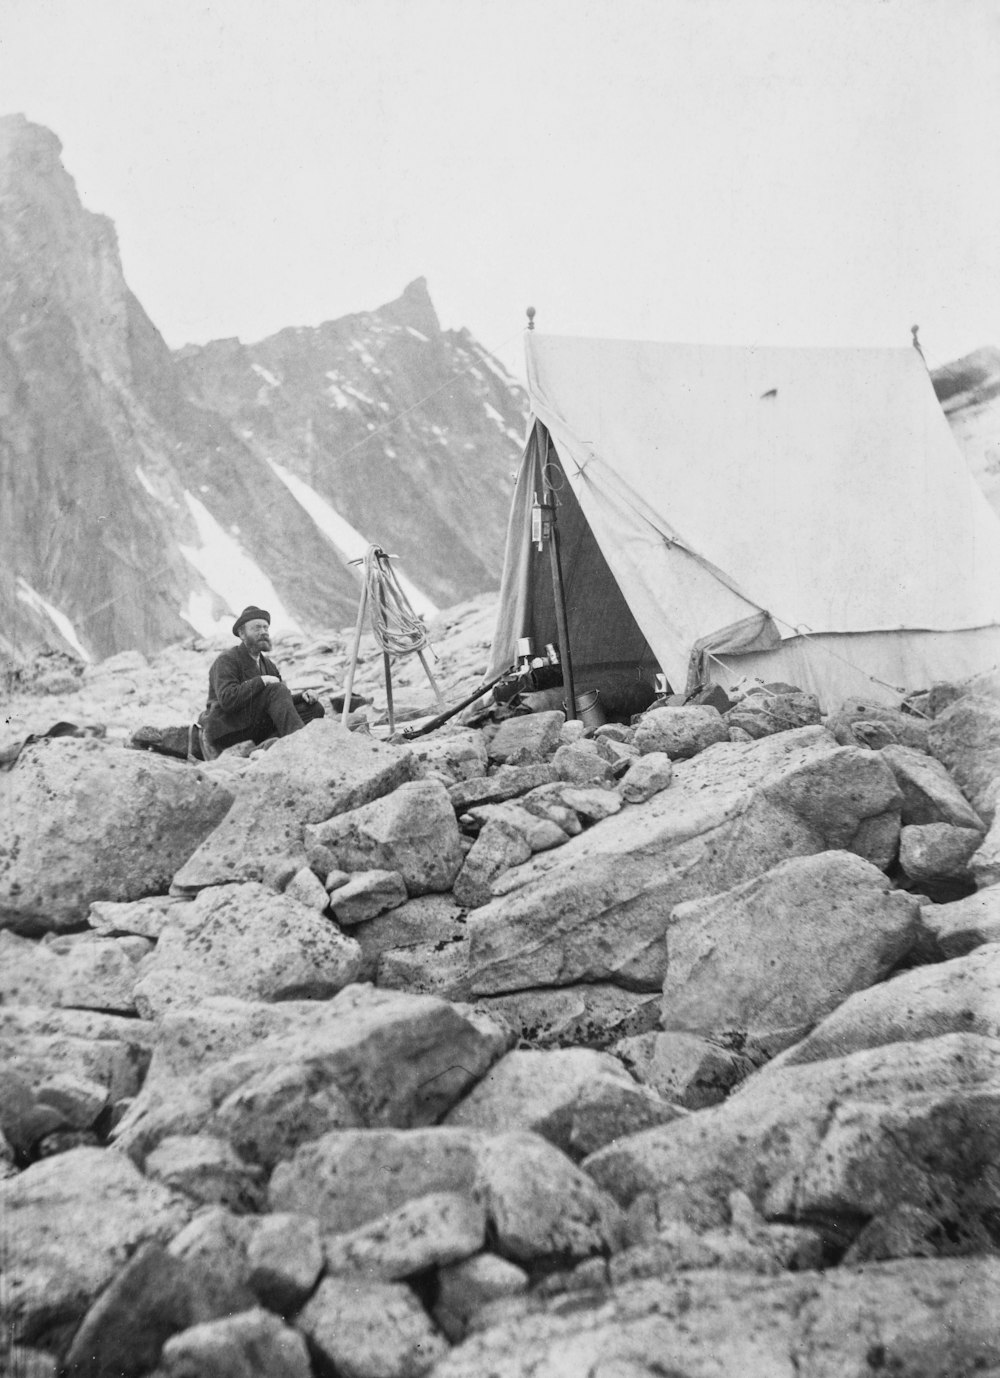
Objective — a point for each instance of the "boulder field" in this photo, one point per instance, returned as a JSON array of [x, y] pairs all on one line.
[[512, 1051]]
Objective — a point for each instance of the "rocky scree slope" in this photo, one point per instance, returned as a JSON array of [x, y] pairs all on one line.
[[144, 493], [507, 1051]]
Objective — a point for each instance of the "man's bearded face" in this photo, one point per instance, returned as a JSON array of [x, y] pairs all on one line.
[[256, 636]]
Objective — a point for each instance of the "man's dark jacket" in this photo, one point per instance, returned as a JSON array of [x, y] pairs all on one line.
[[234, 690]]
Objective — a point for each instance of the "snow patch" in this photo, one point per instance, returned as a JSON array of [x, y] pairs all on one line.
[[349, 542], [417, 334], [229, 572], [145, 482], [361, 351], [361, 396], [340, 399], [59, 620], [268, 377], [508, 431]]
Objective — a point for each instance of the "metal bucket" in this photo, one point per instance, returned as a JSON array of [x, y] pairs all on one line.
[[589, 709]]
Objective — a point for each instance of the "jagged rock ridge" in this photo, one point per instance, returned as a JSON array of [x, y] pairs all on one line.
[[137, 500], [406, 429]]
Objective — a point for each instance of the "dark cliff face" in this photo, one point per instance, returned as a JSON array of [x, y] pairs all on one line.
[[139, 498], [76, 527]]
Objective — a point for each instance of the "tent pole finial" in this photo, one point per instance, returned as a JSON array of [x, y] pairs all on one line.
[[915, 332], [530, 313]]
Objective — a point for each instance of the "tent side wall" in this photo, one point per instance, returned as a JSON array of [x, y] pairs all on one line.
[[877, 666]]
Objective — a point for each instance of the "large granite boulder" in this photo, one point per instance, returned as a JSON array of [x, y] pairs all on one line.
[[304, 778], [465, 1288], [285, 1260], [763, 712], [539, 1206], [755, 967], [81, 970], [965, 738], [154, 1296], [528, 739], [500, 845], [953, 929], [960, 996], [451, 754], [207, 1171], [145, 918], [69, 1224], [919, 1317], [412, 831], [440, 967], [930, 795], [940, 851], [368, 1329], [62, 1069], [838, 1141], [99, 973], [984, 861], [349, 1178], [593, 1014], [365, 896], [82, 821], [270, 1077], [683, 1068], [574, 1097], [875, 725], [247, 942], [424, 1232], [508, 782], [30, 971], [251, 1344], [596, 909], [680, 732]]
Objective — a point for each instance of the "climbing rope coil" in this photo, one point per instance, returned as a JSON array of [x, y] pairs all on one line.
[[395, 626]]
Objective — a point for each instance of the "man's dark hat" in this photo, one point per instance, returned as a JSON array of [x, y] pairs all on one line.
[[248, 615]]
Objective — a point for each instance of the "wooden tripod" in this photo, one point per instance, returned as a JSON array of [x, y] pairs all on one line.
[[381, 559]]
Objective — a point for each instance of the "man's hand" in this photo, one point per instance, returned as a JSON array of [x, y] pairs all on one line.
[[308, 697], [269, 679]]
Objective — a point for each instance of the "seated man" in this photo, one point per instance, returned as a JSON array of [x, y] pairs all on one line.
[[247, 698]]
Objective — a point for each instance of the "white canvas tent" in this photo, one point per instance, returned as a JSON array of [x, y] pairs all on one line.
[[801, 515]]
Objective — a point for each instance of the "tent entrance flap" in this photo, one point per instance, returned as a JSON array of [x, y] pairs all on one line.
[[609, 651]]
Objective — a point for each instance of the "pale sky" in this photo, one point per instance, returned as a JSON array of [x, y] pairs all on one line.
[[733, 171]]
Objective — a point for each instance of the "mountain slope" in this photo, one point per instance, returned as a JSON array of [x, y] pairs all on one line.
[[969, 392], [410, 432], [145, 494]]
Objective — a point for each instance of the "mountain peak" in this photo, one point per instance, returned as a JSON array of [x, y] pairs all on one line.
[[26, 145], [413, 308]]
